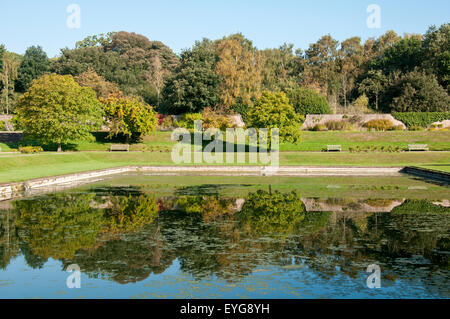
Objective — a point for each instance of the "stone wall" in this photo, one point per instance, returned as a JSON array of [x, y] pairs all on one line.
[[314, 119], [7, 120]]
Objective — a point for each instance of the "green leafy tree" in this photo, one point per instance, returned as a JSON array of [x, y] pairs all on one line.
[[403, 56], [373, 85], [55, 109], [194, 84], [273, 110], [307, 101], [436, 50], [95, 40], [416, 91], [34, 64], [129, 116], [280, 70]]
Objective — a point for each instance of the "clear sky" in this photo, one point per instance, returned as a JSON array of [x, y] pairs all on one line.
[[178, 23]]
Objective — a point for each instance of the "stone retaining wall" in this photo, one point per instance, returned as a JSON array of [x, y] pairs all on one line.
[[12, 190], [427, 173]]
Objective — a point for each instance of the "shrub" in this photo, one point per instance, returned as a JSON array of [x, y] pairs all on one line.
[[167, 123], [396, 128], [272, 110], [362, 101], [336, 125], [416, 128], [319, 128], [160, 118], [30, 149], [378, 125], [187, 120], [212, 119], [307, 101], [422, 119]]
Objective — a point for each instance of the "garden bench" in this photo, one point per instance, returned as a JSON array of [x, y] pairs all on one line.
[[119, 148], [334, 148], [418, 147]]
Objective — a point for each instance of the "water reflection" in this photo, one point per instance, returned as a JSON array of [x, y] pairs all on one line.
[[127, 234]]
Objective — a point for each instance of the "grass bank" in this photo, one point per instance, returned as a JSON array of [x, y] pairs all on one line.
[[311, 141], [18, 167]]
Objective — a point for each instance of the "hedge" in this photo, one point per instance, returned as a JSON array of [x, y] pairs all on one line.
[[422, 119]]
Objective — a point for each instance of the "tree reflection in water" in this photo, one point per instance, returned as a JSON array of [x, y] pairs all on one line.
[[126, 234]]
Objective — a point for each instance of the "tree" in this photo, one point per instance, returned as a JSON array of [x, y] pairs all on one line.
[[129, 116], [373, 85], [350, 58], [35, 63], [239, 66], [280, 70], [403, 56], [272, 110], [307, 101], [96, 82], [416, 91], [7, 77], [58, 225], [55, 109], [95, 40], [272, 213], [321, 65], [126, 59], [194, 85], [2, 52], [436, 51]]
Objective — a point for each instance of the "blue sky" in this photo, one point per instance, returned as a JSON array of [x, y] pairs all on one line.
[[177, 23]]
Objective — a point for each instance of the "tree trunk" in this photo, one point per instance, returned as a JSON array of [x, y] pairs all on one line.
[[7, 91], [59, 147]]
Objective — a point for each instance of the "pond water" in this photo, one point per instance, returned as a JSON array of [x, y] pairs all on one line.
[[147, 236]]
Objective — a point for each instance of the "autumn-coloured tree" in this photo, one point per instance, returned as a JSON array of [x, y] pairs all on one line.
[[129, 116], [96, 82], [321, 65], [239, 66], [55, 109], [350, 58]]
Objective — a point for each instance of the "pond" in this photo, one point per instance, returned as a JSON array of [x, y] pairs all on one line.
[[148, 236]]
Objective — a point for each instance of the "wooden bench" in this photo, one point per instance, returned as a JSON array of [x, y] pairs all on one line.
[[119, 148], [418, 147], [334, 148]]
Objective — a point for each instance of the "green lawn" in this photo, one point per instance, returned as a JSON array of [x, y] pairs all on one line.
[[19, 167], [311, 141]]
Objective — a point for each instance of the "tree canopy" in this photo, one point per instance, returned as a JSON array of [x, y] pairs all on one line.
[[273, 110], [55, 109], [35, 63], [128, 116]]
